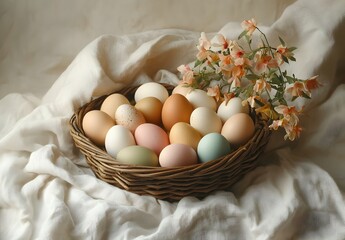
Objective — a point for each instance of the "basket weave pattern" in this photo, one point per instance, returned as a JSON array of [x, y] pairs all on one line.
[[169, 183]]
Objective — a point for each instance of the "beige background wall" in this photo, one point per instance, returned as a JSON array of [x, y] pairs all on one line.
[[39, 38]]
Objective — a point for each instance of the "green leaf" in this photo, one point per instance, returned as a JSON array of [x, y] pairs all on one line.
[[285, 59], [294, 98], [275, 87], [291, 49], [258, 102], [305, 95], [275, 80], [292, 58], [252, 76], [275, 99], [281, 41], [242, 34], [197, 63], [283, 101], [251, 56], [272, 70], [290, 79]]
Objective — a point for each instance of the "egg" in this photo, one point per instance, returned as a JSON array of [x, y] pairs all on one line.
[[129, 117], [228, 108], [96, 125], [205, 120], [176, 109], [182, 89], [151, 108], [151, 136], [184, 133], [238, 129], [213, 146], [117, 138], [199, 98], [112, 102], [176, 154], [151, 89], [138, 155]]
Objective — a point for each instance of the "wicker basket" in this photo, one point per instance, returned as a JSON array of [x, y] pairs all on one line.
[[169, 183]]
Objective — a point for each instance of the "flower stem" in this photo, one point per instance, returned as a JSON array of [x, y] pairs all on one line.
[[270, 48]]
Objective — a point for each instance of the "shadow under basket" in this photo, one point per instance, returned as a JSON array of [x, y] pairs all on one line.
[[169, 183]]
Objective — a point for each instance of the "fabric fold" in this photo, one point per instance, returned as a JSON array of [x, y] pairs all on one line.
[[48, 192]]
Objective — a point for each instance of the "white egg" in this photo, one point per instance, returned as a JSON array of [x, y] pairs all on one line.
[[233, 106], [151, 89], [118, 137], [199, 98], [205, 120]]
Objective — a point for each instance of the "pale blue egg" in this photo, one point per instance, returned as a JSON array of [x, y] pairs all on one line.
[[213, 146]]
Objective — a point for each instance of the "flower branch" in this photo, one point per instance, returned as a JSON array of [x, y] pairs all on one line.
[[225, 69]]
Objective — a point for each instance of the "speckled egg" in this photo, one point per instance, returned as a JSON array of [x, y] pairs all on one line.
[[129, 117]]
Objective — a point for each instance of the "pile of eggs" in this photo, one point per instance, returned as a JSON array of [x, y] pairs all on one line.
[[158, 129]]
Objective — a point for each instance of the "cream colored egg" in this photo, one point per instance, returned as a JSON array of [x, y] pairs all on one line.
[[112, 102], [199, 98], [205, 120], [184, 133], [129, 117], [238, 129], [96, 125], [151, 89], [228, 108]]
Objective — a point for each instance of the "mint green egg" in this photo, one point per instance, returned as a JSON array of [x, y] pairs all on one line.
[[137, 155], [213, 146]]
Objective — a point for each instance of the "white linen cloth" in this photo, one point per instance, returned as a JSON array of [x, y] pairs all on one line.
[[48, 192]]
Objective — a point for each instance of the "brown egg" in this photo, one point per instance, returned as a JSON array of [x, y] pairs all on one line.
[[238, 129], [176, 109], [151, 108], [112, 102], [184, 133], [96, 125]]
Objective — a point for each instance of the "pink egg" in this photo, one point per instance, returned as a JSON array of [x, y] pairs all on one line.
[[177, 154], [151, 136]]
